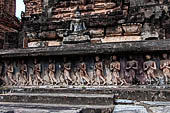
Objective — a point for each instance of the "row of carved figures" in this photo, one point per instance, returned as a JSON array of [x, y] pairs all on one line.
[[81, 74]]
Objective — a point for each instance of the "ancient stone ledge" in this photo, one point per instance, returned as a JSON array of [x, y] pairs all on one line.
[[91, 49]]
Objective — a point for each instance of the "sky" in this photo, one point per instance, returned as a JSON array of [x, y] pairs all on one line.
[[19, 7]]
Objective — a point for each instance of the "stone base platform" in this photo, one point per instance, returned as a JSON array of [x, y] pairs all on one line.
[[85, 99], [138, 93]]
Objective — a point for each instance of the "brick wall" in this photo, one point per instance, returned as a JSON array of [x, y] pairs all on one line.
[[9, 6], [8, 21], [33, 7]]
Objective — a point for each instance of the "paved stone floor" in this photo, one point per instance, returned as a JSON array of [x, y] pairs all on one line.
[[129, 106]]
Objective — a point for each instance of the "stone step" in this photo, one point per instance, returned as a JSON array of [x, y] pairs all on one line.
[[129, 109], [36, 108], [6, 107], [62, 90], [59, 98], [140, 93]]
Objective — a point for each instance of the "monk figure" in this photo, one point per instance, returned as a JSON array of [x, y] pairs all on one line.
[[131, 68], [165, 67], [115, 71], [67, 71], [51, 72], [23, 72], [150, 66], [37, 72], [83, 71], [98, 68], [9, 72]]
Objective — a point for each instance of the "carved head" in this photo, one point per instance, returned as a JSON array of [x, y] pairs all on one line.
[[77, 13], [65, 59], [81, 59], [35, 61], [8, 62], [97, 58], [114, 58], [165, 56], [148, 57], [22, 61], [130, 57], [50, 60]]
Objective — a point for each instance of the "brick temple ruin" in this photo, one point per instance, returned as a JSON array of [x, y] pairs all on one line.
[[8, 21], [102, 53]]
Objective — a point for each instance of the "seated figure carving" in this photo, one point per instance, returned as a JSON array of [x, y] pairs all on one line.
[[78, 32]]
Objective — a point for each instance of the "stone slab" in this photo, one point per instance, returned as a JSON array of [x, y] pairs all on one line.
[[73, 39], [156, 103], [160, 109], [59, 98], [121, 39], [53, 43], [91, 49], [34, 44], [34, 110], [124, 101], [129, 109], [62, 94], [54, 108]]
